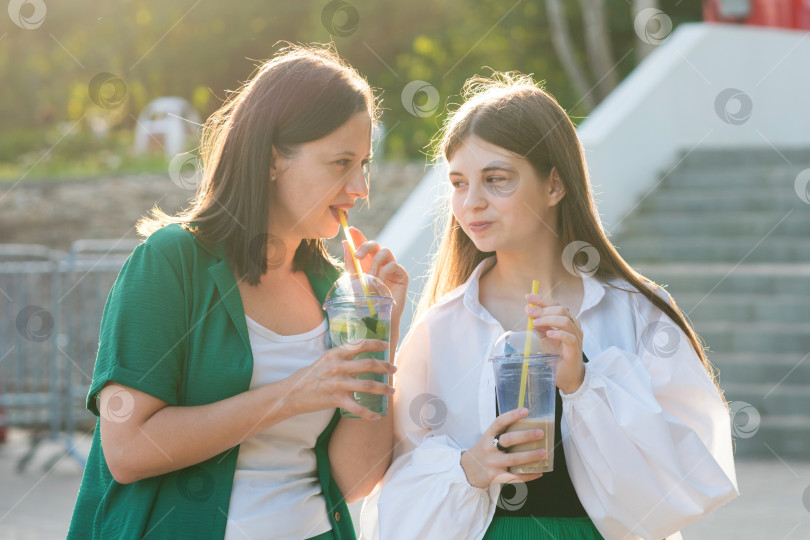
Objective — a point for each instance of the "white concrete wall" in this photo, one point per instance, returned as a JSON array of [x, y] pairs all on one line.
[[412, 233], [663, 110], [666, 107]]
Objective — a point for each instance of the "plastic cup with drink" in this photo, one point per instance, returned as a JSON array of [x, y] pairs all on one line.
[[525, 369]]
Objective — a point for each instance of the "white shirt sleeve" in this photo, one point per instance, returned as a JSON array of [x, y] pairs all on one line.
[[647, 436], [425, 493]]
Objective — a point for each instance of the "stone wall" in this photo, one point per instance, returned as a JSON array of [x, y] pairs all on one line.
[[57, 212]]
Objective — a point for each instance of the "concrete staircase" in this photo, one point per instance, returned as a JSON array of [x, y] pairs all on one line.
[[729, 236]]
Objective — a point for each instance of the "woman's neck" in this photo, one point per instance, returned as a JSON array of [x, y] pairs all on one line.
[[503, 288], [279, 256], [514, 272]]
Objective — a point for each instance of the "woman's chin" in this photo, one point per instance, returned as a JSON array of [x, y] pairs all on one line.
[[327, 231], [486, 247], [331, 231]]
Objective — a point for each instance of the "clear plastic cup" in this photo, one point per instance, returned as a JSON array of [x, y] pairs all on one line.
[[507, 361], [354, 316]]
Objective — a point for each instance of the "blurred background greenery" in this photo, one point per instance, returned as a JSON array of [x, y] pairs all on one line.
[[200, 50]]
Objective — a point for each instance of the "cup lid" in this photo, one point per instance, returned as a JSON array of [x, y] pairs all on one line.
[[512, 344], [348, 287]]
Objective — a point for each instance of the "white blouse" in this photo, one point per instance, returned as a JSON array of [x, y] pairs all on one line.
[[647, 437]]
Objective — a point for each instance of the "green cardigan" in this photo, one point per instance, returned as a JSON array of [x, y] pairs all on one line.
[[174, 327]]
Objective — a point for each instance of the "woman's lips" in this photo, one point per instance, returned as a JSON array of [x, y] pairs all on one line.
[[479, 226], [335, 211]]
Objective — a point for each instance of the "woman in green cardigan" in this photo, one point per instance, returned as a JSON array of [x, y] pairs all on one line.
[[215, 391]]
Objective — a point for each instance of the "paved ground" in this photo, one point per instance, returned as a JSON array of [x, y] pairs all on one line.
[[774, 503]]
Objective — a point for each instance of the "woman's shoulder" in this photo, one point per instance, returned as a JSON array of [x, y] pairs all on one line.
[[172, 248], [179, 244], [171, 238], [623, 290]]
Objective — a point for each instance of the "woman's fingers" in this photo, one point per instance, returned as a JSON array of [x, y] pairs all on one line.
[[360, 241], [518, 437], [519, 458], [566, 337], [380, 256], [383, 256], [347, 255], [358, 410], [538, 300], [350, 350], [504, 421], [369, 386], [539, 311], [388, 270], [369, 247], [357, 236], [554, 321], [367, 365]]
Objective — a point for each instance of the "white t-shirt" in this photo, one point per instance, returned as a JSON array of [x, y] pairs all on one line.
[[276, 493]]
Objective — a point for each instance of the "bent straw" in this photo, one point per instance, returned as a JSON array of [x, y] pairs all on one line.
[[526, 351], [357, 267]]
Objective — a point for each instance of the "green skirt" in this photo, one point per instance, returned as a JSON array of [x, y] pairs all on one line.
[[542, 528]]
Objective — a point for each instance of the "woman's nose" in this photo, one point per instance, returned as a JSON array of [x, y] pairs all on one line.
[[475, 198], [357, 186]]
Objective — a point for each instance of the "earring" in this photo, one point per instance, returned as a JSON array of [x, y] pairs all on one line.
[[273, 177]]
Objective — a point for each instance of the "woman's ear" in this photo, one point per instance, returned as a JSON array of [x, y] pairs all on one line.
[[273, 161], [556, 189]]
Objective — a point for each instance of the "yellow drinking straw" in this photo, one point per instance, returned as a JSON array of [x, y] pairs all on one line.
[[526, 351], [342, 214]]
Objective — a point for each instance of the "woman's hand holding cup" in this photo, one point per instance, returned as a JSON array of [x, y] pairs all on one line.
[[485, 464], [330, 383]]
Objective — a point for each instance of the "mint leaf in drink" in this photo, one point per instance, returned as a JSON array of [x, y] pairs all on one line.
[[371, 322]]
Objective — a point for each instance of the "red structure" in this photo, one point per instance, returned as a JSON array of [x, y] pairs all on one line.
[[774, 13]]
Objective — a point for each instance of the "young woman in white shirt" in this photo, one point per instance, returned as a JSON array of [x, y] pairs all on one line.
[[642, 438]]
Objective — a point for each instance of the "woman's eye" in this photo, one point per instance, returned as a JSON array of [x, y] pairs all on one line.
[[343, 162], [496, 179], [457, 184]]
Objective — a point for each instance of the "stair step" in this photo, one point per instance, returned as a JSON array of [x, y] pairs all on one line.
[[666, 224], [740, 158], [725, 278], [724, 199], [754, 368], [755, 337], [746, 307], [715, 249], [787, 436], [772, 176], [771, 399]]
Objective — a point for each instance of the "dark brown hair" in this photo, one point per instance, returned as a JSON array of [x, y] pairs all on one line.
[[302, 94], [511, 111]]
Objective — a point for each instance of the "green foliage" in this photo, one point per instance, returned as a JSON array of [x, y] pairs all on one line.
[[62, 152], [201, 51]]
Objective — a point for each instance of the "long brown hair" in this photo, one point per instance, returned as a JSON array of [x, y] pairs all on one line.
[[511, 111], [302, 94]]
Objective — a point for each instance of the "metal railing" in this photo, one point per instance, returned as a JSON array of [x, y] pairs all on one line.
[[51, 303]]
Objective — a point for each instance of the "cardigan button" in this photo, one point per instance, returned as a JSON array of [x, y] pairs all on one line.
[[337, 516]]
